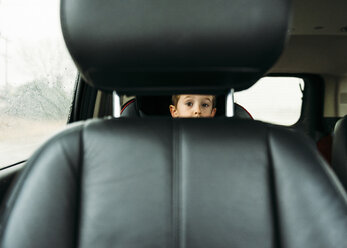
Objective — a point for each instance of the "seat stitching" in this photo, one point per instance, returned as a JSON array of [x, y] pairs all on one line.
[[180, 229], [273, 193], [79, 187], [175, 189]]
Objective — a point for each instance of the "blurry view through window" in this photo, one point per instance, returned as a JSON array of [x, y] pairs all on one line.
[[36, 77], [276, 100]]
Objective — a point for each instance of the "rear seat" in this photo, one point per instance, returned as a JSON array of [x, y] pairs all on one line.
[[159, 106]]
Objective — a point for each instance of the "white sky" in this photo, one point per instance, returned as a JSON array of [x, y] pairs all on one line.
[[32, 29], [33, 20]]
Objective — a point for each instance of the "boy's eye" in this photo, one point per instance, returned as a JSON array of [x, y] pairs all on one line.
[[189, 104], [205, 105]]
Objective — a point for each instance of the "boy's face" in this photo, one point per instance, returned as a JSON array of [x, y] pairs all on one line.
[[193, 106]]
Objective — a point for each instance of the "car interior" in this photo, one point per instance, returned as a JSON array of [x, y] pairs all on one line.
[[157, 106], [123, 173]]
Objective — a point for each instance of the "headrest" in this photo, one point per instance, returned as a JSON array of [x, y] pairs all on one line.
[[174, 46]]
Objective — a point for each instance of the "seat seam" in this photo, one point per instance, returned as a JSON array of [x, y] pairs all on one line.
[[175, 189], [273, 194], [79, 187], [181, 240], [11, 199]]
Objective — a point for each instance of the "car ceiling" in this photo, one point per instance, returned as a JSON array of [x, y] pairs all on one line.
[[317, 39]]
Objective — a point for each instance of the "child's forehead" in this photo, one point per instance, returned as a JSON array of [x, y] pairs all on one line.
[[195, 96]]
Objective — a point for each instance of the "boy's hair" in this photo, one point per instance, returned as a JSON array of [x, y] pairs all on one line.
[[175, 99]]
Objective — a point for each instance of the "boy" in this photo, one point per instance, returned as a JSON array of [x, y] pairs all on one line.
[[193, 106]]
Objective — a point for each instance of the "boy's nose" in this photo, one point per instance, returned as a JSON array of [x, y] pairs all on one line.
[[197, 111]]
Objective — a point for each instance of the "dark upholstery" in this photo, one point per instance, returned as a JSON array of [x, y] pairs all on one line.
[[143, 106], [339, 150], [241, 113], [187, 183], [142, 47]]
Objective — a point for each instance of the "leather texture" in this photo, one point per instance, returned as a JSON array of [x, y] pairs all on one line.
[[241, 112], [339, 150], [196, 46], [186, 183]]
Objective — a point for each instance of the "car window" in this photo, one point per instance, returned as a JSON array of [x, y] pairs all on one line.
[[36, 77], [275, 100]]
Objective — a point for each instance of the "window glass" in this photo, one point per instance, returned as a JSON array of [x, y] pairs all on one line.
[[36, 77], [276, 100]]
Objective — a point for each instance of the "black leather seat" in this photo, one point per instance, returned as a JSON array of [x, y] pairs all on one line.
[[187, 182], [142, 106], [339, 150]]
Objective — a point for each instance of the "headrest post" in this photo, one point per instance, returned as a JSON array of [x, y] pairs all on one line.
[[230, 104], [116, 105]]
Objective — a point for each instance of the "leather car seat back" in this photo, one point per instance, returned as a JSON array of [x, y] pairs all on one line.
[[211, 183], [339, 150]]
